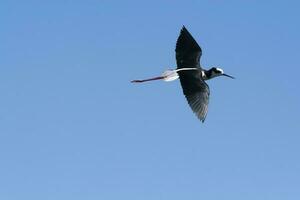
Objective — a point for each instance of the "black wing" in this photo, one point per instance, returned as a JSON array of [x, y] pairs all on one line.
[[188, 52], [196, 91]]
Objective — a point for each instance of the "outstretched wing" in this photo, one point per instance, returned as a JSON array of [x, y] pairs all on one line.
[[188, 52], [196, 92]]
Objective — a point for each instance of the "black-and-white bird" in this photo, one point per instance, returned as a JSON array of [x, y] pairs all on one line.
[[192, 76]]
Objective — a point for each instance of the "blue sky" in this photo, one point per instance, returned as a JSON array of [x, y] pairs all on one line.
[[72, 126]]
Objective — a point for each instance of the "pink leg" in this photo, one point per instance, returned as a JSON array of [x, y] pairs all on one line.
[[150, 79]]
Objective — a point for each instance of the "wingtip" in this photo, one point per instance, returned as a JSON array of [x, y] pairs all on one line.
[[201, 119], [184, 30]]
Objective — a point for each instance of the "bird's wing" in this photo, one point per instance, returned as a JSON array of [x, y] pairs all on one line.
[[196, 92], [188, 52]]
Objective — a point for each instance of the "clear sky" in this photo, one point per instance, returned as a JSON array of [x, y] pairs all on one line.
[[72, 126]]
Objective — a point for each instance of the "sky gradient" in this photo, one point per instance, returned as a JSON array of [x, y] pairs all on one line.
[[72, 126]]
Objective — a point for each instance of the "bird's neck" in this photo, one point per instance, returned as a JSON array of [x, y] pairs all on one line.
[[205, 75]]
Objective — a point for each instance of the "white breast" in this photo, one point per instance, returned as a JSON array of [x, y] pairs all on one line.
[[203, 75]]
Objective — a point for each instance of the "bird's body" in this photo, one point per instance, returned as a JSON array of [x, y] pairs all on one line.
[[192, 76]]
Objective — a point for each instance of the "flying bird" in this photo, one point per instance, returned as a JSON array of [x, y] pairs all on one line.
[[190, 73]]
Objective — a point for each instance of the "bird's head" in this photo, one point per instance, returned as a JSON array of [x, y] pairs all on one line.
[[215, 71]]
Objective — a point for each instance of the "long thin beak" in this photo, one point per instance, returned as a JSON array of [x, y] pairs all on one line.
[[228, 76]]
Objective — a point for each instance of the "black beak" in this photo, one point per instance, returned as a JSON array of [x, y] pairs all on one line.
[[228, 76]]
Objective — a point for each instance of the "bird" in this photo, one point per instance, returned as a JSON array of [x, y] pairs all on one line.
[[191, 74]]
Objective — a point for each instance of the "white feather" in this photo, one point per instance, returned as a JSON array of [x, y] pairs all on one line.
[[170, 75]]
